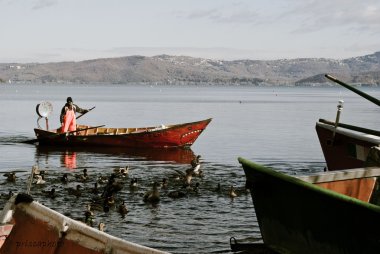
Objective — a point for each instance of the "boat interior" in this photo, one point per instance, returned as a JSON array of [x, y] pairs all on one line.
[[86, 130], [359, 183]]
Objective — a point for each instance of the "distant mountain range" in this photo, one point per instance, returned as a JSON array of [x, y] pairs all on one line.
[[164, 69]]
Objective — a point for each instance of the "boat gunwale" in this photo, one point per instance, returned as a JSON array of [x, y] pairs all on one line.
[[151, 129], [351, 133], [304, 184], [341, 175]]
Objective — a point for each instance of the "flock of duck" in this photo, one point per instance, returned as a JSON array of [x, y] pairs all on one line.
[[103, 195]]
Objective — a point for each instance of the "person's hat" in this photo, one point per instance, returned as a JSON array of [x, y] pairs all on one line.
[[69, 99]]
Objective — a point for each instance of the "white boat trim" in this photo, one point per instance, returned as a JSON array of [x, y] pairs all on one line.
[[341, 175], [353, 134]]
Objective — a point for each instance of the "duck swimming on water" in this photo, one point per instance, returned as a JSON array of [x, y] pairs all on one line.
[[95, 190], [75, 192], [122, 209], [51, 193], [153, 195], [112, 186], [9, 195], [64, 179], [35, 170], [195, 189], [110, 201], [196, 165], [176, 194], [133, 185], [39, 180], [188, 177], [232, 192], [102, 179], [185, 177], [164, 183], [102, 226], [82, 177], [122, 171], [11, 177], [88, 216]]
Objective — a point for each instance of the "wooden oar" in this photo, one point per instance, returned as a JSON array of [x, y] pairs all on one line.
[[85, 113], [89, 128], [362, 94], [32, 141]]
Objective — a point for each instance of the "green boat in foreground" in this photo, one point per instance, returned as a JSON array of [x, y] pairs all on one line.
[[329, 212]]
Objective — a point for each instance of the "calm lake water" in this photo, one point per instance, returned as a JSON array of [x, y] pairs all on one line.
[[274, 126]]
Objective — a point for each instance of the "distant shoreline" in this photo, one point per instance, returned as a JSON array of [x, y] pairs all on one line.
[[185, 84], [183, 70]]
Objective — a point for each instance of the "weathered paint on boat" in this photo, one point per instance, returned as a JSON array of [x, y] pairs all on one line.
[[177, 135], [38, 229], [359, 183], [297, 216], [348, 149]]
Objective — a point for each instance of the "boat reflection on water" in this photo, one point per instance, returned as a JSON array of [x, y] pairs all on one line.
[[69, 155], [69, 159]]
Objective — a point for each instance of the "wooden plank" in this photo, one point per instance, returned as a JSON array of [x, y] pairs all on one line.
[[341, 175], [361, 189]]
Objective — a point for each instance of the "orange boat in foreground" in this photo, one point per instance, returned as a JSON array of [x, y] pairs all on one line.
[[163, 136], [29, 227]]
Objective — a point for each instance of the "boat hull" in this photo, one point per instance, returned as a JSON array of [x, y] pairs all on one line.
[[348, 149], [296, 216], [34, 228], [179, 135]]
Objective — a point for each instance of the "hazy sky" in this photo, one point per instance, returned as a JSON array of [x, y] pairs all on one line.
[[74, 30]]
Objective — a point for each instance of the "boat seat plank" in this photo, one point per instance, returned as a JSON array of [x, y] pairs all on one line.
[[122, 130], [91, 131], [341, 175], [102, 130]]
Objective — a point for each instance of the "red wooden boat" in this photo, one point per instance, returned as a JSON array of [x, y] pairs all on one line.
[[347, 146], [164, 136]]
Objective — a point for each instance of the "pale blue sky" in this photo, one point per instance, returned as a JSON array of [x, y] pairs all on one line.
[[74, 30]]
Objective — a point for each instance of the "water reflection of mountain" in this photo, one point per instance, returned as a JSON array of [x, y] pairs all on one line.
[[176, 155]]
